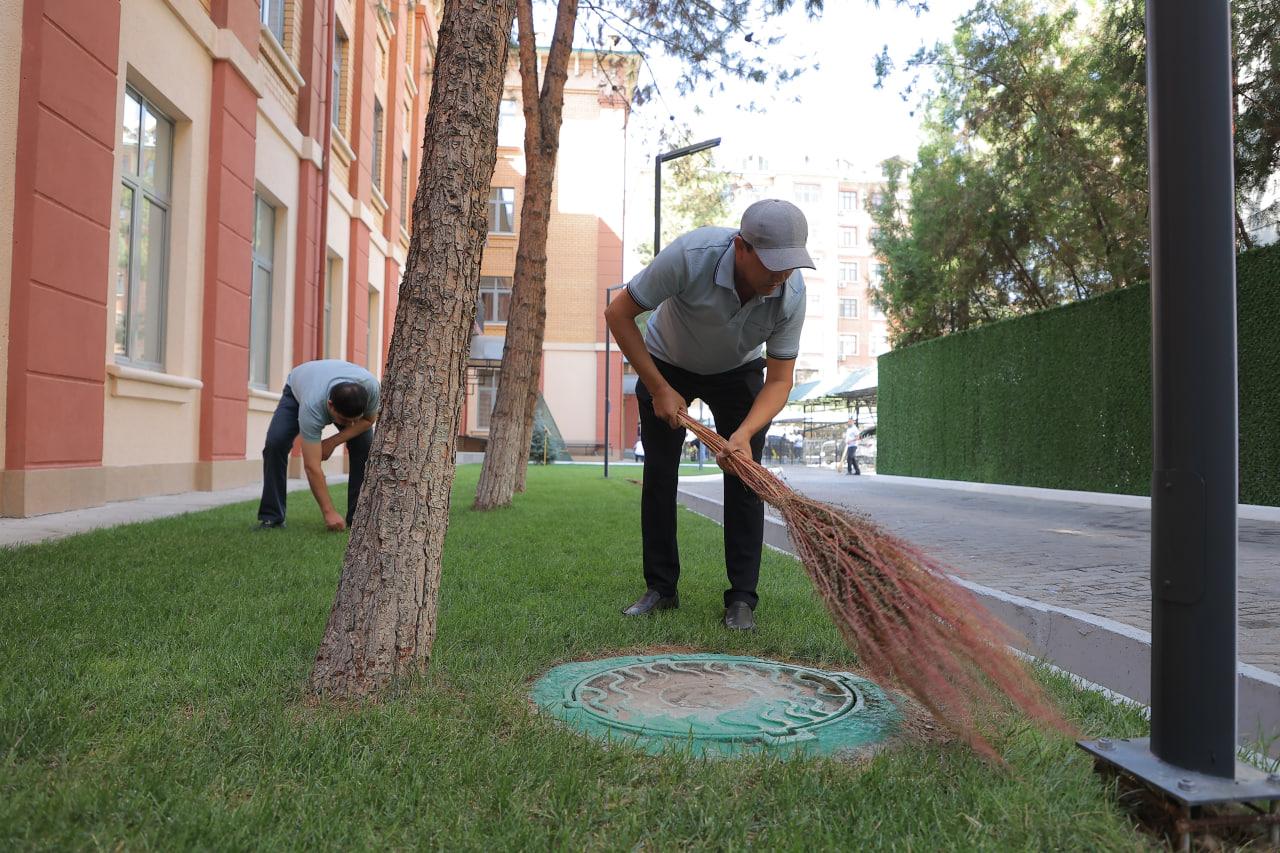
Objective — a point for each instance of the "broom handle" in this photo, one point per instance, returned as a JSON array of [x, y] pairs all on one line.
[[745, 468]]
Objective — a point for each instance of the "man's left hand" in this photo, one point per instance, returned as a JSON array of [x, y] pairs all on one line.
[[739, 445]]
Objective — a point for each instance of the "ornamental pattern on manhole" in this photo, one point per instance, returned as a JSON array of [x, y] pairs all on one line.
[[717, 704]]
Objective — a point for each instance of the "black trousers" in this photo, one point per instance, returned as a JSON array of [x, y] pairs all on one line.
[[729, 395], [851, 460], [275, 461]]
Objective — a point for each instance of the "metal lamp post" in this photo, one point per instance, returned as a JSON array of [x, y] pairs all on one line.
[[657, 245], [1190, 757]]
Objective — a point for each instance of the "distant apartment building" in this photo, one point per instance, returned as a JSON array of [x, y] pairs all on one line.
[[584, 251], [843, 330], [201, 194]]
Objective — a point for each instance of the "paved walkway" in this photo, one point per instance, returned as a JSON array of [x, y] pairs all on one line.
[[56, 525], [1087, 556]]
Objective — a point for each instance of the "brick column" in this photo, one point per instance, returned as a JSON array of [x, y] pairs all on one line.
[[228, 250], [62, 255], [313, 116]]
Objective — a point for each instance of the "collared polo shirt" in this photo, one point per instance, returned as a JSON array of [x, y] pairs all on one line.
[[698, 322], [311, 383]]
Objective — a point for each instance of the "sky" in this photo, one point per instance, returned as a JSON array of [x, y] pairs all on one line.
[[829, 112]]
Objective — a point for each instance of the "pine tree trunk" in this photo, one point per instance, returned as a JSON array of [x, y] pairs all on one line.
[[383, 619], [506, 454]]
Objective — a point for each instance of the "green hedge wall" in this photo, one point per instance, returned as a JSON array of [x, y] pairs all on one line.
[[1062, 399]]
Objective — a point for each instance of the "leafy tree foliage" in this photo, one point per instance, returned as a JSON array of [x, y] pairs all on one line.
[[1030, 188]]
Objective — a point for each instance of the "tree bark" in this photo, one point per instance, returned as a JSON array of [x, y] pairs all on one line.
[[506, 454], [383, 620]]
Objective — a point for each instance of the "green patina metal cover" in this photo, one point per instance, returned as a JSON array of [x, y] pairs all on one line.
[[717, 705]]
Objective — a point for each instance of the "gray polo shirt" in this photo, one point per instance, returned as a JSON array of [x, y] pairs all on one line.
[[698, 322], [311, 382]]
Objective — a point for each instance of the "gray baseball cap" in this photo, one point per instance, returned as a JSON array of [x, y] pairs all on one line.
[[777, 230]]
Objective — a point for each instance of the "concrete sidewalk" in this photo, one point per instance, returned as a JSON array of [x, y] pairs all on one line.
[[1070, 571], [56, 525]]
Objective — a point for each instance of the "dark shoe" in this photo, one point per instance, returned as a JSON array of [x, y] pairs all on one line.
[[270, 525], [651, 601], [739, 617]]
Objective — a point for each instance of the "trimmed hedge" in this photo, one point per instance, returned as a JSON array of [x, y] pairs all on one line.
[[1062, 399]]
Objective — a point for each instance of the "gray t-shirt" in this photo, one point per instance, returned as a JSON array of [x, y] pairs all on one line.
[[311, 382], [698, 322]]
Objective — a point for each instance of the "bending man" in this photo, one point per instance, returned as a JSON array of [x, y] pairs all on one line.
[[728, 306], [316, 394]]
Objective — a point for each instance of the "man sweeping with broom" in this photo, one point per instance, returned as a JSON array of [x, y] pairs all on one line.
[[728, 306]]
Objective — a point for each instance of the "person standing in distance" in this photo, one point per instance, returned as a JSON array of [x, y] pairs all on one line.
[[318, 393], [728, 305]]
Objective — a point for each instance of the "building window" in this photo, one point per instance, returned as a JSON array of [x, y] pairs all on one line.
[[404, 191], [502, 210], [377, 145], [848, 200], [877, 272], [510, 124], [848, 345], [495, 298], [146, 142], [849, 308], [877, 199], [332, 301], [808, 193], [848, 272], [848, 238], [873, 234], [369, 337], [273, 18], [339, 62], [486, 396], [264, 245], [881, 345]]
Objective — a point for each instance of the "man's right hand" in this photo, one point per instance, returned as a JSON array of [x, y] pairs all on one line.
[[334, 522], [667, 403]]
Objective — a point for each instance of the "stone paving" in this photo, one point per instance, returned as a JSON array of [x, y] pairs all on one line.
[[56, 525], [1083, 556]]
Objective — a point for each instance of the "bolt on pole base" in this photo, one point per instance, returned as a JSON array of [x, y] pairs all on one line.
[[1183, 792]]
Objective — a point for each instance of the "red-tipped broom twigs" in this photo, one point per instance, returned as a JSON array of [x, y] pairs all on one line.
[[899, 609]]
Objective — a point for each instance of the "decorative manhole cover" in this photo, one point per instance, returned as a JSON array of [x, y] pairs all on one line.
[[717, 704]]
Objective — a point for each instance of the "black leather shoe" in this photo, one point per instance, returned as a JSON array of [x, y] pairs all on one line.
[[270, 525], [738, 617], [651, 601]]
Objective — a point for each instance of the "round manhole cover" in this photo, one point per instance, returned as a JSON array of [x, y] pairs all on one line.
[[717, 704]]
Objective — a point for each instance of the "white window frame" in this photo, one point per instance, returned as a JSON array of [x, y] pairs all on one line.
[[485, 391], [807, 193], [849, 307], [848, 346], [848, 200], [379, 160], [263, 259], [143, 193], [494, 286], [848, 272], [498, 201], [273, 16], [341, 47]]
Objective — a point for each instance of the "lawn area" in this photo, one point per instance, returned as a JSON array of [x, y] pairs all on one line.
[[153, 699]]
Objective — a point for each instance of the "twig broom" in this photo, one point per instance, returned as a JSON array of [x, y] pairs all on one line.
[[909, 622]]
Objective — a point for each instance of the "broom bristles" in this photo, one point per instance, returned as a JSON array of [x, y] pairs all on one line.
[[899, 609]]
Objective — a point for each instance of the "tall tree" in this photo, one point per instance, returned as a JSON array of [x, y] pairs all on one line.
[[511, 425], [383, 620], [1030, 188], [712, 40], [1025, 193]]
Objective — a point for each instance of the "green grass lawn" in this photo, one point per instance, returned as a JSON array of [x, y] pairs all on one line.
[[153, 698]]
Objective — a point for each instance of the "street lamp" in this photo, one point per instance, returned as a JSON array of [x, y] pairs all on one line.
[[657, 244], [608, 402], [1191, 754]]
